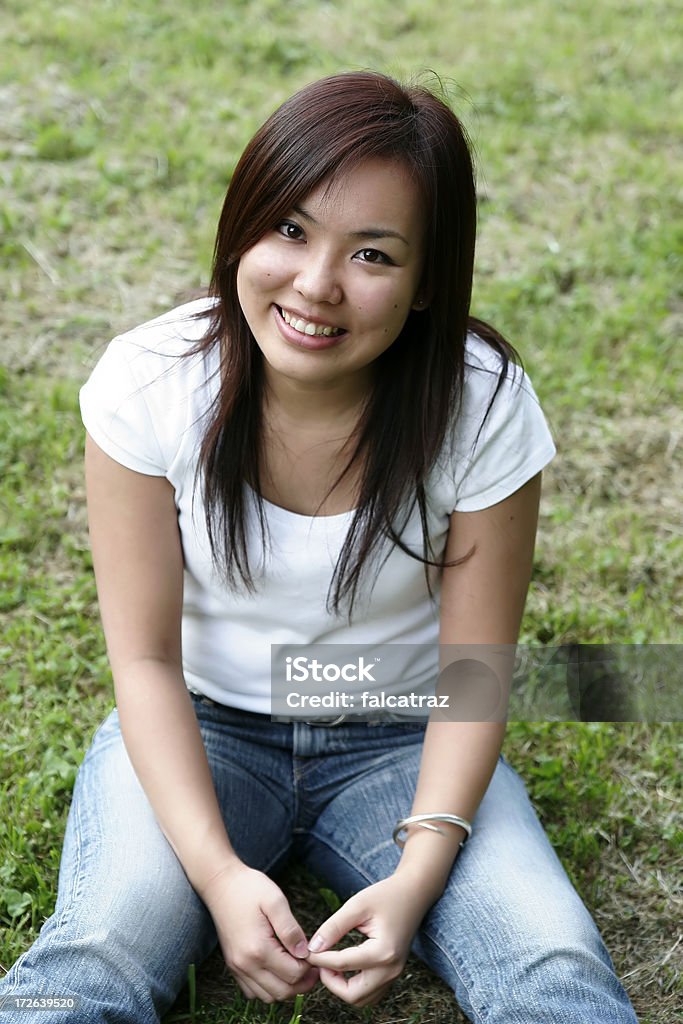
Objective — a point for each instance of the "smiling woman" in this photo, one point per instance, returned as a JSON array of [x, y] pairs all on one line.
[[307, 286], [327, 451], [369, 437]]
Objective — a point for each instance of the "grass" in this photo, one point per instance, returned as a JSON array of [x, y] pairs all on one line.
[[121, 123]]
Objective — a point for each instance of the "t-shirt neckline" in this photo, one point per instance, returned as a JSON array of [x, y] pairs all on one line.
[[278, 511]]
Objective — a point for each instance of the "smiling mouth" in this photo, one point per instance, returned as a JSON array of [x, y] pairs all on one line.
[[311, 329]]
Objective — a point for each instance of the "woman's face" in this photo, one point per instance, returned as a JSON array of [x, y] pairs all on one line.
[[330, 287]]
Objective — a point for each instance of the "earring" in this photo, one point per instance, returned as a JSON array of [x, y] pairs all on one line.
[[419, 304]]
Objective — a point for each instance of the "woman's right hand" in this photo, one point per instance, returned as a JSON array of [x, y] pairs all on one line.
[[263, 944]]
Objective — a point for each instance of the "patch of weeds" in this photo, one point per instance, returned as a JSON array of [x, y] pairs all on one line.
[[57, 142], [237, 1010]]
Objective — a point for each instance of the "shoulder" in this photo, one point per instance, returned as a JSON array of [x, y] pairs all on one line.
[[172, 334], [486, 371], [495, 391], [149, 386], [498, 438], [157, 353]]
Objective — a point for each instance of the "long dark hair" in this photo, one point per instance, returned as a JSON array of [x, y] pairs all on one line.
[[321, 133]]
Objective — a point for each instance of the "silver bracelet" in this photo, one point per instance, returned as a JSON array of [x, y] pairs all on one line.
[[423, 821]]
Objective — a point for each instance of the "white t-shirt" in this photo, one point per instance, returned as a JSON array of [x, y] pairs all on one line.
[[145, 407]]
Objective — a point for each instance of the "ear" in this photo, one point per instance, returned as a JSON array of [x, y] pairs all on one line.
[[423, 295]]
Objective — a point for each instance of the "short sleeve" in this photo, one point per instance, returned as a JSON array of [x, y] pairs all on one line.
[[115, 411], [494, 453]]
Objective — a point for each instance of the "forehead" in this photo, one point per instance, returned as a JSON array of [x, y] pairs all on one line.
[[375, 194]]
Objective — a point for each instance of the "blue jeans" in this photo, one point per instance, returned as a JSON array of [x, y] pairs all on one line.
[[509, 935]]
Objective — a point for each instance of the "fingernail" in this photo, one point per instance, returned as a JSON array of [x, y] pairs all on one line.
[[316, 943], [301, 949]]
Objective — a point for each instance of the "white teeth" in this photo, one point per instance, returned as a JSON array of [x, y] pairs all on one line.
[[305, 327]]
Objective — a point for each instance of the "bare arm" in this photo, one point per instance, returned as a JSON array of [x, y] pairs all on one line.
[[139, 569], [138, 563], [482, 603]]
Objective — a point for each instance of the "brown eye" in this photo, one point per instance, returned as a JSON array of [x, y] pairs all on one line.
[[289, 229], [373, 256]]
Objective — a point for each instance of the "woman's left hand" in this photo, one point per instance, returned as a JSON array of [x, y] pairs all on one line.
[[389, 914]]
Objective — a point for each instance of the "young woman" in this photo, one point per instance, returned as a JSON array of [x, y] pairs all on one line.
[[327, 450]]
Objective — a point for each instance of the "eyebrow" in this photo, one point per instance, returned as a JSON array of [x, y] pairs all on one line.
[[373, 233]]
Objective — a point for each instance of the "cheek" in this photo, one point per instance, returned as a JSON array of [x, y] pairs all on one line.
[[259, 269], [397, 313], [387, 319], [385, 307]]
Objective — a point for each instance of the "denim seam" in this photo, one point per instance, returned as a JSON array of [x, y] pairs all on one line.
[[297, 801], [227, 763], [65, 914], [61, 920], [468, 986]]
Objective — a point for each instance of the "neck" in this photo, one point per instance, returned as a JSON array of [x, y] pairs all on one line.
[[310, 406]]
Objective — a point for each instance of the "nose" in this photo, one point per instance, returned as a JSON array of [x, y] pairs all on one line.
[[317, 279]]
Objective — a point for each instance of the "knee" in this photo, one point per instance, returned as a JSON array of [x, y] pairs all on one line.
[[533, 978], [127, 956], [558, 965], [570, 980], [148, 912]]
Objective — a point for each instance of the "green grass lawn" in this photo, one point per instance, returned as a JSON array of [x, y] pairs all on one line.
[[119, 125]]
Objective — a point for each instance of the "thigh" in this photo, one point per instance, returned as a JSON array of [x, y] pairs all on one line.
[[251, 767], [127, 923], [510, 934], [116, 858], [349, 843]]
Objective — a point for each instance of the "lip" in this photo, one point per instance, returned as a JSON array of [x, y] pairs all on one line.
[[312, 342], [308, 317]]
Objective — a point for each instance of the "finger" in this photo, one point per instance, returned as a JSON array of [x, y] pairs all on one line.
[[245, 989], [351, 915], [270, 989], [335, 982], [371, 1000], [286, 927], [284, 966], [282, 976], [303, 983], [354, 958], [269, 970], [364, 989], [375, 997], [309, 980], [252, 990]]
